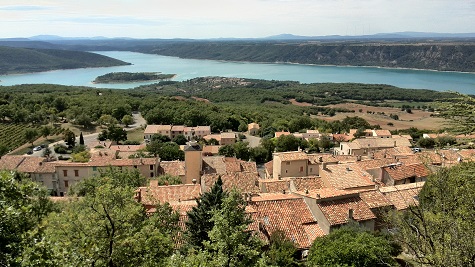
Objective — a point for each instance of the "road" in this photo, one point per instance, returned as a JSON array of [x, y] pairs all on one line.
[[90, 138]]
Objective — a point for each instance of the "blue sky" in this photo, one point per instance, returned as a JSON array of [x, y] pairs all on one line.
[[226, 18]]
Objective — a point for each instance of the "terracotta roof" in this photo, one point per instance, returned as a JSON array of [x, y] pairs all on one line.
[[327, 193], [31, 164], [342, 137], [321, 157], [345, 158], [291, 216], [402, 196], [252, 125], [290, 156], [178, 128], [170, 193], [153, 129], [306, 183], [381, 133], [182, 207], [373, 143], [278, 134], [375, 199], [269, 166], [273, 196], [228, 135], [467, 154], [375, 163], [10, 163], [128, 148], [337, 211], [212, 149], [245, 182], [214, 164], [175, 168], [345, 176], [47, 167], [430, 157], [274, 185], [25, 164], [392, 152], [208, 137], [403, 171]]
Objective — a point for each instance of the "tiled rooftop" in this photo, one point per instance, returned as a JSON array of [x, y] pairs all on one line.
[[269, 166], [375, 199], [337, 211], [321, 157], [402, 196], [403, 171], [175, 168], [345, 176], [245, 182], [274, 185], [306, 183], [153, 129], [290, 156], [291, 216], [327, 193]]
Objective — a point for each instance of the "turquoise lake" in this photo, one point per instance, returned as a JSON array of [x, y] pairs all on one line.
[[191, 68]]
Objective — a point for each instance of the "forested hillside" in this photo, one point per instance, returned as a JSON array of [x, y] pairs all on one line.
[[443, 56], [20, 60]]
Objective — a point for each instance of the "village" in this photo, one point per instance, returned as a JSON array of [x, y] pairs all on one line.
[[305, 195]]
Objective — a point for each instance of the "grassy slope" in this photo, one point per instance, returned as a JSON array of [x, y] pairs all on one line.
[[20, 60]]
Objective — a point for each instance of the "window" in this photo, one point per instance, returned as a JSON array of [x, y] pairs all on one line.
[[76, 173], [151, 167], [287, 163], [66, 183], [311, 169], [94, 168], [65, 173], [151, 174], [286, 171], [301, 168], [135, 166]]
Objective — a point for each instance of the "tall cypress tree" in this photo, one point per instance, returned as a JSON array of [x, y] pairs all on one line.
[[81, 139], [199, 218]]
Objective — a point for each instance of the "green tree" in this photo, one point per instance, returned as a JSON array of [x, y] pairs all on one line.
[[113, 133], [227, 151], [230, 242], [31, 134], [269, 145], [106, 120], [81, 139], [3, 150], [426, 142], [351, 245], [168, 179], [45, 131], [160, 138], [69, 137], [289, 143], [111, 175], [171, 151], [439, 231], [23, 204], [110, 228], [241, 150], [127, 120], [84, 120], [180, 139], [82, 156], [199, 218], [281, 251]]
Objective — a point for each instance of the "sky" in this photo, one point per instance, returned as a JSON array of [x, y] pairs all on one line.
[[201, 19]]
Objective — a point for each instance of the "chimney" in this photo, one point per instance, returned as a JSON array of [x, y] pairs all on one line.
[[350, 214], [306, 191], [193, 181], [283, 191], [318, 196], [324, 166]]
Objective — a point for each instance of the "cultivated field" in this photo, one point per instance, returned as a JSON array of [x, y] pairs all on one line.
[[418, 118]]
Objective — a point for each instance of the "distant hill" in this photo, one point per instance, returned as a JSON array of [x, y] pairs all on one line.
[[378, 36], [21, 60]]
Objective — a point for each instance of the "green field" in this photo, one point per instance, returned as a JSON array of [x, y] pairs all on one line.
[[12, 135]]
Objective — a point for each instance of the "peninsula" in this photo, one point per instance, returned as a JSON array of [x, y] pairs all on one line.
[[124, 77]]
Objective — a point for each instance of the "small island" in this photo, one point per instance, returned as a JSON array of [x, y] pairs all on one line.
[[126, 77]]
